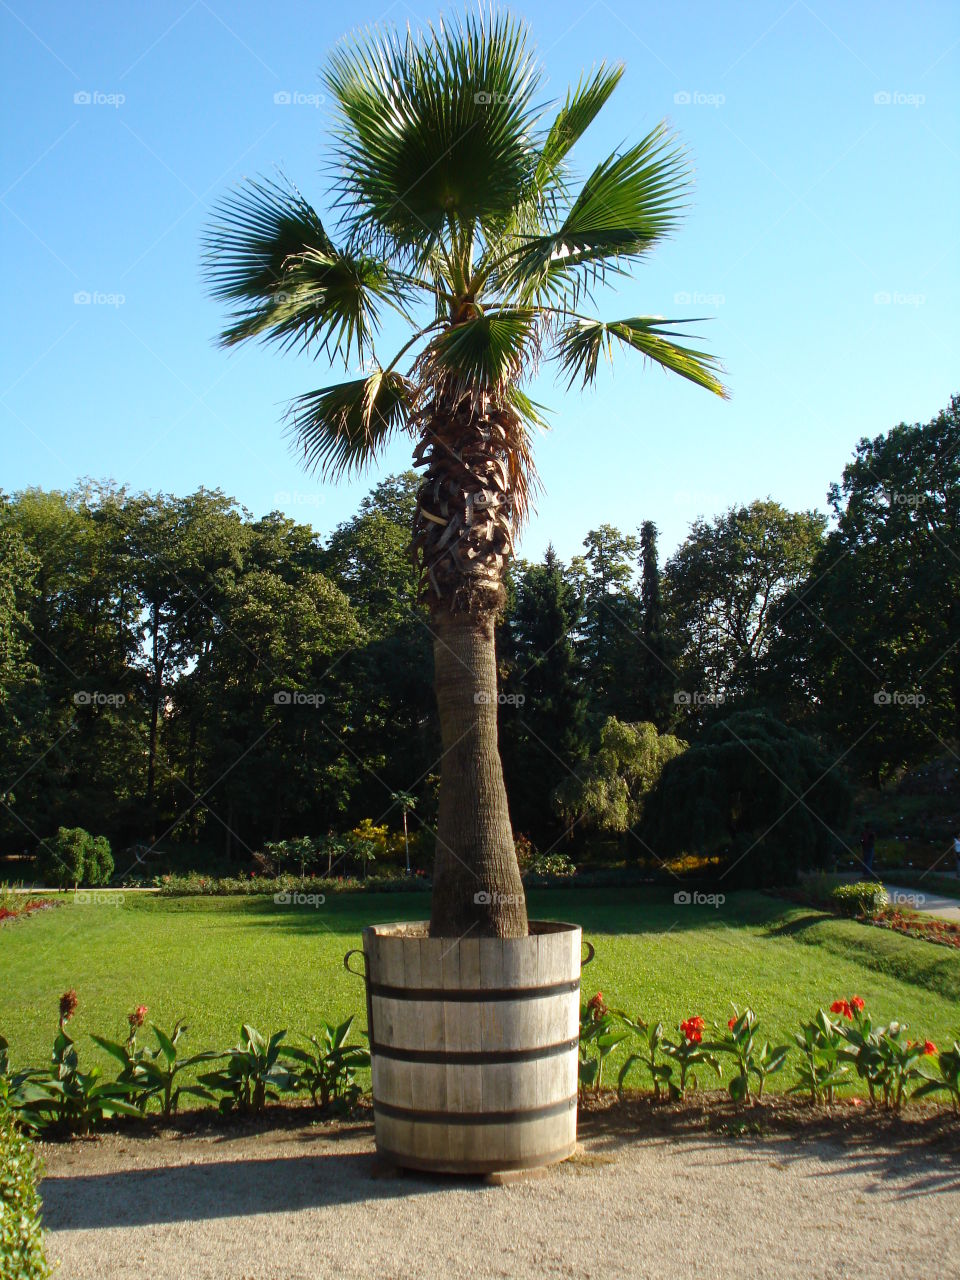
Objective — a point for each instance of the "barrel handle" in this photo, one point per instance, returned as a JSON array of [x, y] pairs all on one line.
[[590, 948], [346, 964]]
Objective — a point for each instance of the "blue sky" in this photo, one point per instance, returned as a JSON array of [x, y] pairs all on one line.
[[823, 241]]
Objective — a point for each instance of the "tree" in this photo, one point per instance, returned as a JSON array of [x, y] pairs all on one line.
[[868, 643], [763, 799], [543, 730], [609, 793], [456, 212], [657, 669], [610, 616], [725, 585], [18, 675]]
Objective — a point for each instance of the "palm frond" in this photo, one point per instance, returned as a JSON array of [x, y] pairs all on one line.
[[581, 343], [434, 128], [254, 231], [627, 205], [482, 354], [532, 413], [268, 253], [583, 104], [340, 430]]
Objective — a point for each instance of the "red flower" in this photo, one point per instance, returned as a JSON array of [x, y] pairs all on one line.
[[136, 1018], [732, 1023], [842, 1006], [857, 1003], [596, 1006], [68, 1005], [693, 1029], [929, 1048]]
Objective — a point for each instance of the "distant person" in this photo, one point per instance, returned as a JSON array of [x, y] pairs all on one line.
[[956, 850], [868, 846]]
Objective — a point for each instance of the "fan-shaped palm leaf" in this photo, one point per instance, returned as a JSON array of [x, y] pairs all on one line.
[[581, 343], [342, 429], [434, 129]]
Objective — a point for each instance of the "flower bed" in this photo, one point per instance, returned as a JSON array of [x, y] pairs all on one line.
[[15, 906], [838, 1049]]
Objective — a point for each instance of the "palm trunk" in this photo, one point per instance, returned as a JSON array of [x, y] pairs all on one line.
[[477, 887], [463, 536]]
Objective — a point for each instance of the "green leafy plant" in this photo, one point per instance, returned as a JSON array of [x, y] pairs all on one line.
[[599, 1036], [330, 1070], [254, 1071], [753, 1058], [865, 898], [652, 1038], [551, 864], [153, 1072], [689, 1053], [21, 1234], [295, 856], [74, 857], [74, 1099], [822, 1069], [948, 1063], [19, 1090]]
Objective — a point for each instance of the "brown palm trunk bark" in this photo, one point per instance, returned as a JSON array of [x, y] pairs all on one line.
[[476, 887]]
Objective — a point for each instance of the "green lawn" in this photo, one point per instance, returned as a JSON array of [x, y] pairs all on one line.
[[220, 961]]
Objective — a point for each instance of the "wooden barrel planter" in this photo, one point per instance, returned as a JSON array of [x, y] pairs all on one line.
[[473, 1046]]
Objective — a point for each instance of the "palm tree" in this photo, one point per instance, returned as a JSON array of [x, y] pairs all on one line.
[[455, 209]]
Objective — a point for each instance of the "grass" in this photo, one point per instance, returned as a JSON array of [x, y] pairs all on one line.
[[220, 961]]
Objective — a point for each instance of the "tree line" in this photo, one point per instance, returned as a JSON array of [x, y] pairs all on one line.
[[173, 670]]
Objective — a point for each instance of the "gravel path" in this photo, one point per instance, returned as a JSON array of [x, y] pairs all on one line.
[[305, 1203], [932, 904]]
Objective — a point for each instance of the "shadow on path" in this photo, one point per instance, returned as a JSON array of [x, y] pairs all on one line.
[[906, 1155], [223, 1189]]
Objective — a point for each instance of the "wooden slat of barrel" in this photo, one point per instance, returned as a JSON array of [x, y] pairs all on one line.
[[470, 1020], [371, 945], [551, 969], [453, 1041], [391, 1021], [494, 1088], [435, 1137], [413, 1020]]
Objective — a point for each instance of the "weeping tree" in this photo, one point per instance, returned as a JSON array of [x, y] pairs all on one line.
[[454, 210]]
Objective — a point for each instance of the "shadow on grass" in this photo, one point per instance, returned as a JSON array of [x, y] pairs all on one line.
[[798, 924], [633, 910]]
